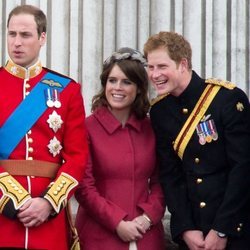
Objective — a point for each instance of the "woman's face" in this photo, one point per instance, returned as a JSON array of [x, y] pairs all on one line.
[[120, 91]]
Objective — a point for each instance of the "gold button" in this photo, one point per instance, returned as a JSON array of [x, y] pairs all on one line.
[[20, 191], [30, 158], [184, 111], [197, 160], [29, 132], [199, 180], [55, 192], [27, 86], [30, 140], [202, 204], [30, 150], [238, 229]]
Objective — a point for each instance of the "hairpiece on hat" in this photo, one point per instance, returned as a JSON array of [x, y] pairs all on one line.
[[126, 53]]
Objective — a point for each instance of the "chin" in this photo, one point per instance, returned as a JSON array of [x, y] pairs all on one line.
[[162, 91]]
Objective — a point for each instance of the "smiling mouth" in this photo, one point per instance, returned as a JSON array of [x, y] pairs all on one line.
[[118, 96], [159, 83]]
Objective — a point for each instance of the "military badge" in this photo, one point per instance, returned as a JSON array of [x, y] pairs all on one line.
[[55, 122], [14, 70], [240, 106], [206, 131], [54, 146]]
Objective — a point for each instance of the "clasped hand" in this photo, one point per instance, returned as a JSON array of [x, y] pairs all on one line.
[[133, 230], [34, 212]]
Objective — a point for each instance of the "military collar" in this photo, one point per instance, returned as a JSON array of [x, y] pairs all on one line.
[[194, 88], [21, 72], [111, 124]]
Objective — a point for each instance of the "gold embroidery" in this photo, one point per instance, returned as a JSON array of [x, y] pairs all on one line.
[[13, 189], [219, 82], [157, 99], [60, 190], [240, 106], [21, 72]]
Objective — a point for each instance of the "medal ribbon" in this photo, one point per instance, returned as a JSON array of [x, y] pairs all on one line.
[[198, 112]]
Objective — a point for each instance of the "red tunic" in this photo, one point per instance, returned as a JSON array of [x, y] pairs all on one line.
[[72, 157]]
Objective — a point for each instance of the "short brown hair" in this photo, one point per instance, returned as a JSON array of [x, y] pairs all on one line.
[[135, 71], [39, 16], [176, 45]]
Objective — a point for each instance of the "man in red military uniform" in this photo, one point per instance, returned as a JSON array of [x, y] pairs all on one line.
[[43, 146]]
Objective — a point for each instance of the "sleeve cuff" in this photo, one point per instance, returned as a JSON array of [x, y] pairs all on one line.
[[58, 192]]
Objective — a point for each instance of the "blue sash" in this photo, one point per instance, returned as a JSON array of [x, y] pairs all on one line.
[[27, 113]]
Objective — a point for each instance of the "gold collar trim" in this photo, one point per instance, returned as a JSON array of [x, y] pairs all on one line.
[[22, 72]]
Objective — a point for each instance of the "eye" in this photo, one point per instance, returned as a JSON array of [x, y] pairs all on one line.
[[12, 34], [112, 80], [149, 67], [26, 35], [127, 82]]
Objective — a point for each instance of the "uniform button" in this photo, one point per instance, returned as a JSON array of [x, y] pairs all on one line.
[[27, 86], [238, 229], [197, 160], [30, 140], [202, 204], [199, 180], [184, 111], [30, 158], [29, 132], [30, 150]]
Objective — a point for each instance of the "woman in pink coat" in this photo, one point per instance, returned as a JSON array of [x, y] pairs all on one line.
[[121, 202]]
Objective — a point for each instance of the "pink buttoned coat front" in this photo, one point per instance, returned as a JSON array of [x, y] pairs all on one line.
[[120, 183]]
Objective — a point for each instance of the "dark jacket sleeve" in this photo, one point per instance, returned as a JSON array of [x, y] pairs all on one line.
[[232, 213]]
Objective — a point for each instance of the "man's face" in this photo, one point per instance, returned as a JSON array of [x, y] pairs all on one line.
[[164, 73], [22, 40]]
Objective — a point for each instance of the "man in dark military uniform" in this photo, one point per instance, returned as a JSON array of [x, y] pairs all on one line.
[[203, 135]]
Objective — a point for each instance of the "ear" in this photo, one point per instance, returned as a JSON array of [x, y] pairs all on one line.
[[42, 38], [183, 65]]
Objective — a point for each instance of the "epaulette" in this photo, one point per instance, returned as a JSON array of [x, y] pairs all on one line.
[[57, 73], [157, 99], [219, 82]]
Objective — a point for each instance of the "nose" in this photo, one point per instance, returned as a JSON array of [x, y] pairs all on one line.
[[17, 41], [118, 85]]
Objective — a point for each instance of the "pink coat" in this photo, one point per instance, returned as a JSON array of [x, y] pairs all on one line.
[[120, 183]]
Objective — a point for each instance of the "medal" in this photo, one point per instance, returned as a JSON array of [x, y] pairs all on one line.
[[200, 133], [56, 99], [213, 129], [202, 140], [49, 101]]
